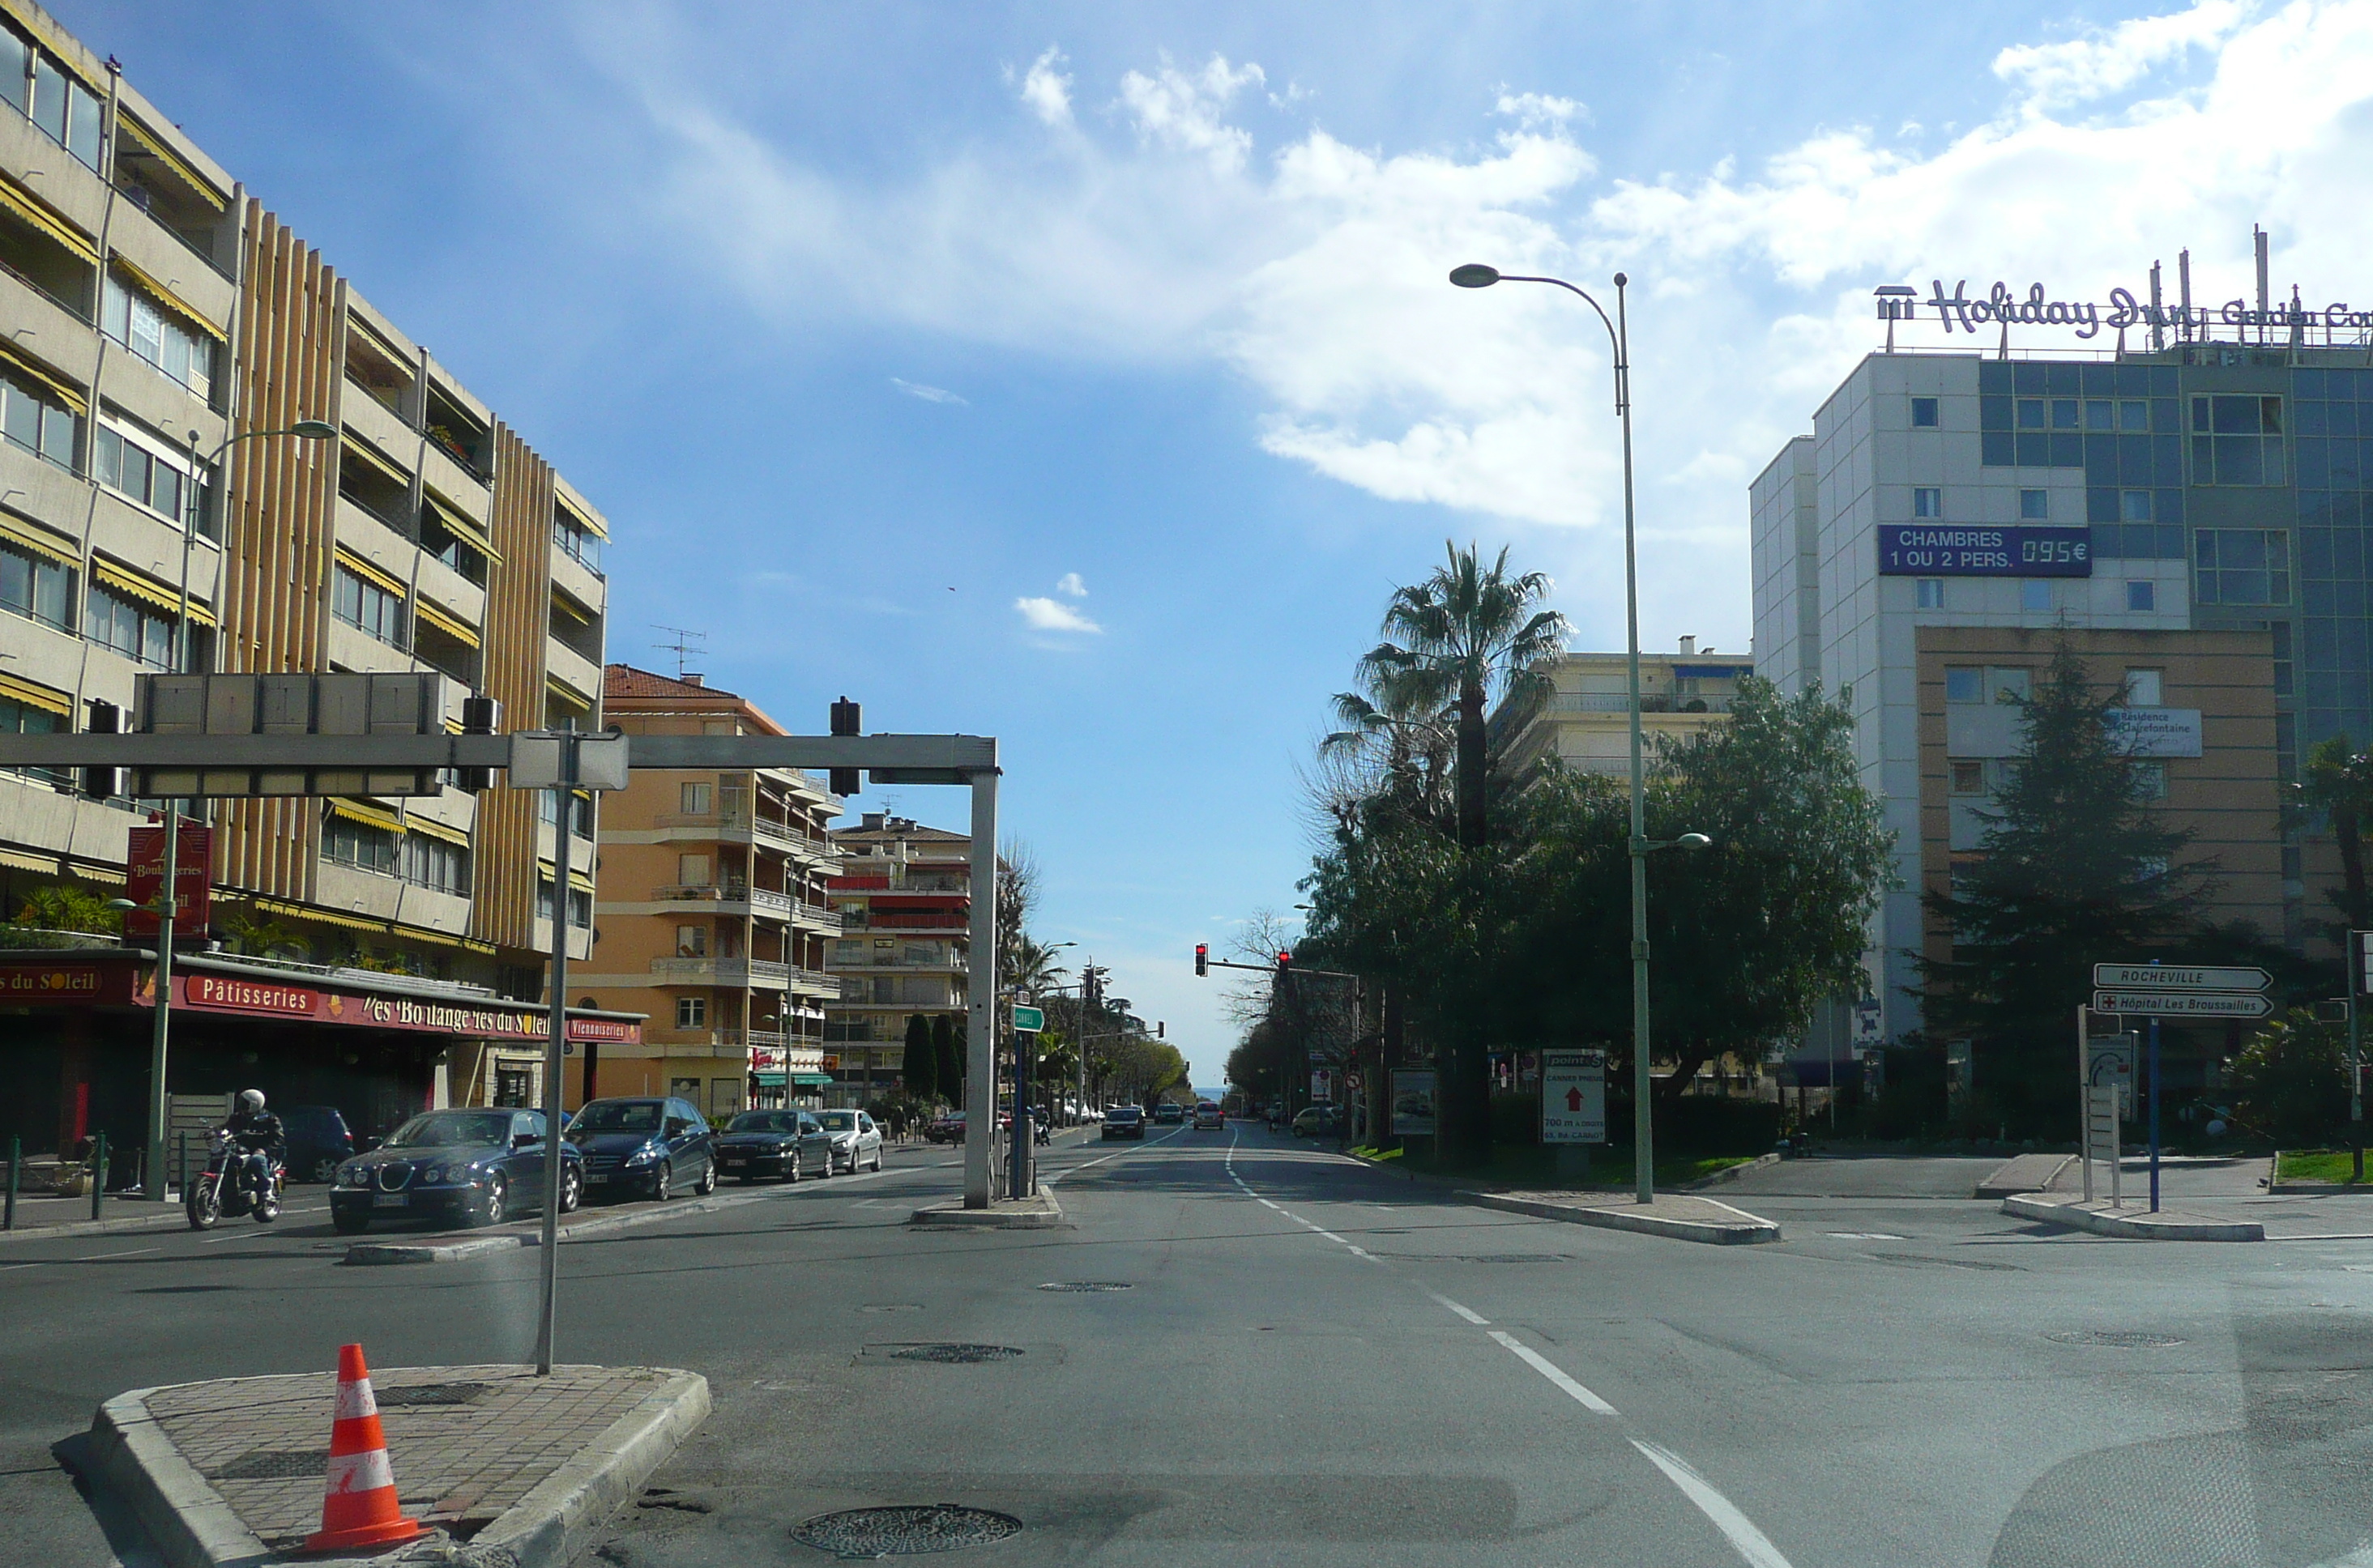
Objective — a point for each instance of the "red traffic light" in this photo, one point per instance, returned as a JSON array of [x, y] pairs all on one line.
[[1284, 959], [1203, 960]]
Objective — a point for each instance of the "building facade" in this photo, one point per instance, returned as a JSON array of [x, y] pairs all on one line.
[[904, 898], [1584, 720], [713, 918], [162, 323]]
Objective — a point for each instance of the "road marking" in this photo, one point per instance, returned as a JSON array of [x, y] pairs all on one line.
[[99, 1257], [1749, 1542], [1467, 1312], [1859, 1235], [9, 1267], [1556, 1375]]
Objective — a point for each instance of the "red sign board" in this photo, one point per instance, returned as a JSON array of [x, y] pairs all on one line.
[[205, 992], [71, 982], [145, 878]]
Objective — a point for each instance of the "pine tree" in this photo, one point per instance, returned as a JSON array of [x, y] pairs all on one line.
[[947, 1045], [2076, 868], [921, 1068]]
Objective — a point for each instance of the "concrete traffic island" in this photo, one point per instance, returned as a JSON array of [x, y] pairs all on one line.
[[2132, 1222], [1038, 1213], [507, 1469], [1680, 1216]]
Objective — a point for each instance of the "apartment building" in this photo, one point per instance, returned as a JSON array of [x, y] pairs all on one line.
[[714, 917], [163, 324], [1584, 719], [904, 898]]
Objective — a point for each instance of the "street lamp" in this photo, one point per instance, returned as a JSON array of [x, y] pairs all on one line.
[[1475, 275]]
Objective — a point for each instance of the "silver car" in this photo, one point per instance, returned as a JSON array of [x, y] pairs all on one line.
[[856, 1141]]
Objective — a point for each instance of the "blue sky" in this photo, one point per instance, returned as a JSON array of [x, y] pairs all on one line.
[[1126, 323]]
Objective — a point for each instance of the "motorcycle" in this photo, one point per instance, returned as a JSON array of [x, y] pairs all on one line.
[[222, 1189]]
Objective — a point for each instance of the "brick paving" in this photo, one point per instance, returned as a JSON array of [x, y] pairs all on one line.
[[496, 1433]]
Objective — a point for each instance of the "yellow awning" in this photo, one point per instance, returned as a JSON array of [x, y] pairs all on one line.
[[369, 816], [103, 874], [430, 828], [585, 520], [154, 146], [34, 211], [564, 605], [582, 881], [462, 525], [40, 541], [17, 860], [165, 297], [370, 570], [555, 687], [17, 688], [18, 359], [445, 621], [146, 590], [374, 458], [327, 917]]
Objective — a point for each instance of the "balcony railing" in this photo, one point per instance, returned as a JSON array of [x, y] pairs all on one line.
[[743, 972], [1650, 702], [816, 980], [923, 920]]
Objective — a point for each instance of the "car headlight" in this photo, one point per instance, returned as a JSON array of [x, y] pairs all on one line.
[[353, 1176], [643, 1156], [434, 1176]]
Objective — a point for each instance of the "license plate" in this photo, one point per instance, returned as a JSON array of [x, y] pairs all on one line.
[[597, 1178], [736, 1159], [391, 1200]]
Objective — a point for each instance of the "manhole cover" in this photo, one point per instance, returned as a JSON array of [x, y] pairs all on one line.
[[1082, 1285], [2121, 1338], [274, 1464], [959, 1355], [905, 1532], [432, 1394]]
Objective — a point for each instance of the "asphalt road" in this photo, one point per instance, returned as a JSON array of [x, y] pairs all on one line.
[[1313, 1362]]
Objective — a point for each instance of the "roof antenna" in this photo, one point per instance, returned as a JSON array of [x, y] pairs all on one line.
[[684, 644]]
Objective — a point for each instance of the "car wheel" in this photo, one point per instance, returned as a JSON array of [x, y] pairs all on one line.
[[791, 1170], [708, 1179], [572, 1189], [877, 1157], [495, 1207], [325, 1170], [662, 1183]]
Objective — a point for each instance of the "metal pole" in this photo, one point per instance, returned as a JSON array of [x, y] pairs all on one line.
[[160, 1026], [981, 1066], [2085, 1097], [15, 1159], [2154, 1112], [2354, 965], [555, 1037], [1644, 1139], [98, 1174]]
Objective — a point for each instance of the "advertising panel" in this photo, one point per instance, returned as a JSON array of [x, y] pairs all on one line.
[[144, 873], [1573, 1097], [1412, 1104], [1980, 550]]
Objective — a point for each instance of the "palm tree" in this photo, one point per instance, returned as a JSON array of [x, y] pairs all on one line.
[[1033, 967], [1467, 629], [2339, 784], [1400, 734]]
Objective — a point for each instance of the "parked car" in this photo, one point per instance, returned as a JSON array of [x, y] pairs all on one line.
[[1125, 1122], [319, 1141], [785, 1144], [1315, 1121], [947, 1127], [1209, 1120], [463, 1166], [1169, 1113], [644, 1147], [856, 1141]]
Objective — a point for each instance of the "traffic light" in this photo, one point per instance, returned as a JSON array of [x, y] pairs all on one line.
[[1284, 962], [1160, 1029], [845, 720], [480, 716], [1202, 960]]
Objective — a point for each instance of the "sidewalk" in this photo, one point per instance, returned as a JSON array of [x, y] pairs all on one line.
[[39, 1218], [2133, 1222], [519, 1469]]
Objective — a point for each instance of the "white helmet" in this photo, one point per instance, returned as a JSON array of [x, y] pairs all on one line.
[[250, 1101]]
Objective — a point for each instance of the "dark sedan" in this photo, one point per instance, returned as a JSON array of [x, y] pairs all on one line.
[[459, 1167], [783, 1145], [1125, 1122], [644, 1149]]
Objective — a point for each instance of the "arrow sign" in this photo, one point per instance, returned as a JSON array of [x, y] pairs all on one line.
[[1029, 1020], [1573, 1101], [2178, 977], [1573, 1097], [2183, 1004]]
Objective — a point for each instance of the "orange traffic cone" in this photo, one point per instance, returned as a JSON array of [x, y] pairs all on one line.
[[359, 1508]]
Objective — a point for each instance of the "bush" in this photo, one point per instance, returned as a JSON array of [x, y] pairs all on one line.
[[1516, 1116], [2291, 1081]]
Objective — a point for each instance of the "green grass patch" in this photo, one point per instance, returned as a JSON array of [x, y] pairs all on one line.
[[2318, 1164]]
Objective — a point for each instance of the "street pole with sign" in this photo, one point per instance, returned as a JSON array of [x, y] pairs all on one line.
[[2360, 942], [1028, 1024], [159, 1103], [2177, 990]]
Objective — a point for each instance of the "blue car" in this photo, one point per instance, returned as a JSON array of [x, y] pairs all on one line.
[[457, 1167], [644, 1147]]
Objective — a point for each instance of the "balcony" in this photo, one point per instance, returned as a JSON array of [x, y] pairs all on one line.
[[895, 920], [740, 973], [814, 982], [1650, 702]]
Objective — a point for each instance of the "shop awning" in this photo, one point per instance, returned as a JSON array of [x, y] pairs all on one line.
[[811, 1080], [772, 1080]]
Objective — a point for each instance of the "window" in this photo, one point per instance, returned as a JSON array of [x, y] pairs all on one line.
[[446, 545], [1923, 413], [2143, 688], [151, 478], [2243, 566], [161, 338], [577, 541], [2134, 415], [2237, 440], [437, 864], [368, 606], [691, 870], [1931, 593], [2281, 630], [2008, 685], [2035, 594], [2101, 414], [1964, 684], [692, 1012], [2063, 414], [2150, 781], [692, 941], [24, 718], [61, 106], [2133, 505], [360, 846], [2030, 414], [1927, 502], [35, 586], [1968, 778], [136, 631], [693, 799], [37, 420], [2035, 505], [580, 909], [2142, 595]]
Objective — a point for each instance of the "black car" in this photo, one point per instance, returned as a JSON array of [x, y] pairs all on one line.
[[319, 1141], [644, 1149], [1125, 1122], [460, 1167], [785, 1144]]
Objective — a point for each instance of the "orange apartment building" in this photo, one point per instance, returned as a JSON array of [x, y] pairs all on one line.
[[904, 899]]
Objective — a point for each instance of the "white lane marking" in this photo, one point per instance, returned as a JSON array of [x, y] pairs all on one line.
[[99, 1257], [1467, 1312], [1556, 1375], [1855, 1234], [5, 1268], [1750, 1543]]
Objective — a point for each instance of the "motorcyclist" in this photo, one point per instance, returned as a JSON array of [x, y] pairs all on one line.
[[260, 1139]]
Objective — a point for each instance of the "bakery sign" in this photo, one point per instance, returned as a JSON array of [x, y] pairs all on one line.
[[205, 992]]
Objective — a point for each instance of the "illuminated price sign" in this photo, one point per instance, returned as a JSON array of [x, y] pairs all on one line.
[[1937, 550]]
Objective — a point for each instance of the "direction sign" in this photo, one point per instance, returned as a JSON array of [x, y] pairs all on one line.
[[1573, 1097], [1029, 1020], [2178, 977], [2183, 1004]]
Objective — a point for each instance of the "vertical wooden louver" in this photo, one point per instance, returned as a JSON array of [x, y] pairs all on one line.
[[519, 605], [279, 532]]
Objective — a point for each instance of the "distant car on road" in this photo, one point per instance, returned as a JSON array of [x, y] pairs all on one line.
[[1208, 1118], [1125, 1122], [649, 1148], [319, 1141], [464, 1166], [785, 1144], [1169, 1113], [1315, 1121], [947, 1127], [855, 1142]]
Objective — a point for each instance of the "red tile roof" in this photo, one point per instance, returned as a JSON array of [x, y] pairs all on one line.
[[625, 681]]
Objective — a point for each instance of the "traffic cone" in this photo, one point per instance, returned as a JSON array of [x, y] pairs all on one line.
[[359, 1508]]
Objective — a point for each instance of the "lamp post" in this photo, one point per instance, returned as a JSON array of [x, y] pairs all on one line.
[[1475, 276]]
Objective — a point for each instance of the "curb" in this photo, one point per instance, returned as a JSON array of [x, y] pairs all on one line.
[[557, 1520], [188, 1520], [1041, 1213], [170, 1216], [1731, 1172], [1997, 1185], [1747, 1230], [2133, 1227]]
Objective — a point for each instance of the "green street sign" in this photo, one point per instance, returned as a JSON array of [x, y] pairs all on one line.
[[1029, 1020]]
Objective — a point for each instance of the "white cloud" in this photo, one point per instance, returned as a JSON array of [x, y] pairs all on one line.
[[1182, 110], [1053, 615], [929, 394], [1046, 91], [1070, 583], [2110, 60], [1530, 110]]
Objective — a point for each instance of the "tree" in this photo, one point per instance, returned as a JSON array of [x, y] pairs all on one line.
[[1017, 890], [2338, 784], [947, 1045], [62, 907], [2074, 868], [1398, 736], [920, 1069], [2290, 1083]]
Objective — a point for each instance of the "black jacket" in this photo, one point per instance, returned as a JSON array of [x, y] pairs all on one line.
[[261, 1131]]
